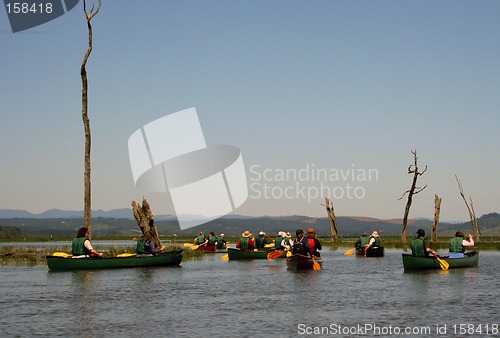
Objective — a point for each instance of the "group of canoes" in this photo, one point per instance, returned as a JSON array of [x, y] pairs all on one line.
[[299, 253]]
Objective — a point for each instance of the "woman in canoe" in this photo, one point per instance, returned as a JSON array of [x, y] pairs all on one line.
[[81, 244], [458, 245], [314, 244], [146, 246]]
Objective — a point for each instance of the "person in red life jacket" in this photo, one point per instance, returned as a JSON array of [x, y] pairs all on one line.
[[246, 242], [314, 244], [210, 245], [81, 244]]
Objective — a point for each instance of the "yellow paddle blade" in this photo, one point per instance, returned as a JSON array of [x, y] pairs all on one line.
[[61, 254], [316, 265], [270, 245], [194, 247], [188, 244], [126, 255], [443, 264], [225, 257], [289, 254], [349, 252]]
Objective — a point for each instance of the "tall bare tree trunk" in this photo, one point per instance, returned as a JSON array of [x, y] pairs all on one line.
[[143, 216], [412, 169], [472, 213], [87, 216], [333, 220], [435, 223]]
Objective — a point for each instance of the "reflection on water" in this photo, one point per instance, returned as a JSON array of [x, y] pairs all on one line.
[[245, 298]]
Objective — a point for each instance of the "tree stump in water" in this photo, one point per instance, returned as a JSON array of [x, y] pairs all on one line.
[[145, 220]]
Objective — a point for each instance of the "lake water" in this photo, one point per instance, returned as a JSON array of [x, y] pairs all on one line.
[[350, 297]]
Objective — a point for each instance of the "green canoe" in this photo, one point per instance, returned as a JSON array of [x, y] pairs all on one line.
[[419, 263], [57, 263], [237, 254]]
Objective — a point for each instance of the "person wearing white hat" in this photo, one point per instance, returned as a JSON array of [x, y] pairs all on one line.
[[374, 241], [279, 239], [262, 240], [221, 242]]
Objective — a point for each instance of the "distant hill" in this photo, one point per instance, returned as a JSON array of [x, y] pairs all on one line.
[[120, 222]]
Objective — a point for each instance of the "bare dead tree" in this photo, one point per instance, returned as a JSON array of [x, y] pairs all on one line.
[[472, 213], [87, 213], [143, 216], [412, 169], [435, 223], [333, 220]]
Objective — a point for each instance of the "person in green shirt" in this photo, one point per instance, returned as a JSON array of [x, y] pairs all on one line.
[[458, 244], [420, 245]]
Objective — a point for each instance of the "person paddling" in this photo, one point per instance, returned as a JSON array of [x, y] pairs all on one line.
[[81, 244], [245, 242]]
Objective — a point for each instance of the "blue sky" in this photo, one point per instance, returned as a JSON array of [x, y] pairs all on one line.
[[331, 85]]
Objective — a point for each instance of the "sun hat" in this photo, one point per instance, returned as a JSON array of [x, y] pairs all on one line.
[[311, 230], [262, 233], [246, 234], [374, 234], [288, 235]]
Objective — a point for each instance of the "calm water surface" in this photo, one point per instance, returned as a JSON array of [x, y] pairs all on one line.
[[261, 298]]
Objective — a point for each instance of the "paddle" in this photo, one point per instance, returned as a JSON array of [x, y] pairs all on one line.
[[275, 254], [316, 265], [349, 252], [61, 254], [225, 257], [188, 244], [194, 247], [443, 264], [126, 255]]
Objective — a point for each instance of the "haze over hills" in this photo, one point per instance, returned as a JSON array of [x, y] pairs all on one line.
[[120, 222]]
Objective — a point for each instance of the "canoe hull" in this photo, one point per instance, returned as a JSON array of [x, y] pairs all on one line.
[[298, 262], [172, 258], [377, 251], [236, 254], [425, 263]]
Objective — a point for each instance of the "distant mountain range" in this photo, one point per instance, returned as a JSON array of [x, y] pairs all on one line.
[[120, 222]]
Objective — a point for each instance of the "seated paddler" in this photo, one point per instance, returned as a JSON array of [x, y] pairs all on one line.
[[146, 246], [81, 245], [458, 245], [246, 242]]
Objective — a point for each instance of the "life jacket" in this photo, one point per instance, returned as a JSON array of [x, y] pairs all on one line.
[[377, 242], [211, 240], [259, 242], [418, 247], [277, 243], [220, 242], [244, 243], [287, 241], [140, 248], [312, 245], [200, 239], [456, 244], [364, 240], [78, 248]]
